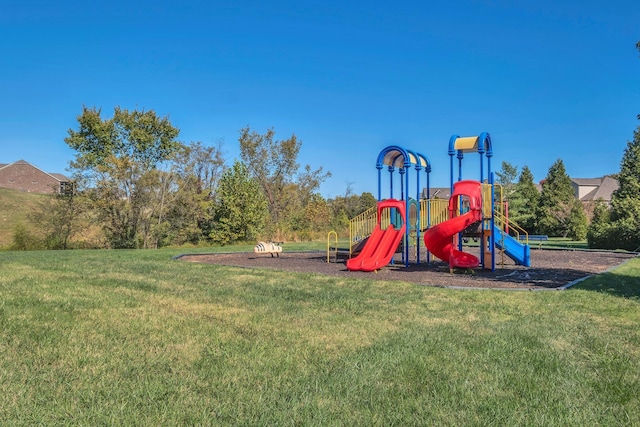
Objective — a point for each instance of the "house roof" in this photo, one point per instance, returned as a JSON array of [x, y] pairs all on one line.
[[603, 187], [588, 181], [604, 191], [437, 193], [57, 176]]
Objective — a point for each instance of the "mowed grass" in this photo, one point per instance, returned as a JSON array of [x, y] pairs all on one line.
[[136, 338]]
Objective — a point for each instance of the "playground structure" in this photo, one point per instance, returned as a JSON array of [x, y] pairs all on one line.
[[475, 209]]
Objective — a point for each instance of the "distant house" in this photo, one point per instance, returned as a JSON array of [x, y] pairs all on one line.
[[437, 193], [23, 176], [591, 189]]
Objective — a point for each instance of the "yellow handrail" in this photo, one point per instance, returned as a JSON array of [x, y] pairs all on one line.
[[433, 212], [511, 227], [328, 244]]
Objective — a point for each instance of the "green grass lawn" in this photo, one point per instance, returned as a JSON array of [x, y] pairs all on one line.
[[136, 338]]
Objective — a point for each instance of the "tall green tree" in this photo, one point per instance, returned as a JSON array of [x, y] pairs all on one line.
[[113, 155], [241, 210], [600, 227], [619, 228], [524, 202], [624, 231], [578, 223], [559, 212]]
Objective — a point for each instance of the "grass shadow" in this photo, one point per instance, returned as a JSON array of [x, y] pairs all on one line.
[[622, 282]]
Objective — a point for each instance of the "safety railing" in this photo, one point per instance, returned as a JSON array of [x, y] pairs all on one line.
[[510, 227], [433, 212], [361, 226]]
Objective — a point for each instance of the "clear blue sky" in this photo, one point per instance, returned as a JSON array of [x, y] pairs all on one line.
[[547, 79]]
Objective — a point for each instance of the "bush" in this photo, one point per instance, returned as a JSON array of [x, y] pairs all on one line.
[[24, 240]]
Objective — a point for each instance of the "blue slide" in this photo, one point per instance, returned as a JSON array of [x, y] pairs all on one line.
[[517, 251]]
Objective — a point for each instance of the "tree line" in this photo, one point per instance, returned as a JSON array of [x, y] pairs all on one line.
[[137, 186]]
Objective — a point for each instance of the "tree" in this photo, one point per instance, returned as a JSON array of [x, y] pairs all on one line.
[[141, 137], [623, 232], [317, 213], [559, 212], [629, 176], [113, 155], [60, 218], [204, 165], [274, 165], [524, 201], [578, 224], [197, 170], [506, 177], [241, 209], [367, 201], [297, 198], [600, 227], [156, 191]]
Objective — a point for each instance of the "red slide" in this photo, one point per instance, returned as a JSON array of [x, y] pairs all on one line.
[[439, 238], [382, 244]]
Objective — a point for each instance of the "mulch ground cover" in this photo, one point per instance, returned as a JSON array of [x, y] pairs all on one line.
[[550, 269]]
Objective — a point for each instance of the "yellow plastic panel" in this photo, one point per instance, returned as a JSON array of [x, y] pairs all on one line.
[[467, 143]]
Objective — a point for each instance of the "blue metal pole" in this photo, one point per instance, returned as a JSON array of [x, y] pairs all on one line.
[[481, 139], [452, 152], [418, 168], [493, 219], [459, 199], [451, 174], [407, 165], [403, 173], [379, 167], [428, 225]]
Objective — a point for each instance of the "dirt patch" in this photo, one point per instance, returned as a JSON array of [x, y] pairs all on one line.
[[550, 268]]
